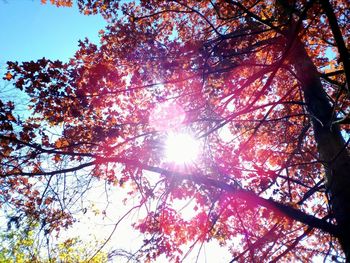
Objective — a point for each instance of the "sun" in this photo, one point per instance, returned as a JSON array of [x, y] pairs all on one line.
[[181, 148]]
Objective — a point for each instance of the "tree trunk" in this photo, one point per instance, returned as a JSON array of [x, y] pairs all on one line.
[[330, 143]]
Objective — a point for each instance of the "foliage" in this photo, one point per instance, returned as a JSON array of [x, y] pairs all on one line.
[[20, 245], [271, 75]]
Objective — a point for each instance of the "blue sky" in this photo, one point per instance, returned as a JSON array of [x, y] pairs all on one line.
[[31, 30]]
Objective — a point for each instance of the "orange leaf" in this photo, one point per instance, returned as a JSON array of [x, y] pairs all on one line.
[[8, 76], [61, 143]]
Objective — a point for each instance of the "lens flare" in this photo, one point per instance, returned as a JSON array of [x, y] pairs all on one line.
[[181, 148]]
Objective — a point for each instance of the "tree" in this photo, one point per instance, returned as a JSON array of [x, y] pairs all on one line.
[[272, 76], [18, 244]]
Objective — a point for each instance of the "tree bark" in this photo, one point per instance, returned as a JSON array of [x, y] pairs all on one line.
[[330, 143]]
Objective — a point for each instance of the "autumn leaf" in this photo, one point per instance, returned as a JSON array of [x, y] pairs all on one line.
[[61, 143], [8, 76], [57, 158]]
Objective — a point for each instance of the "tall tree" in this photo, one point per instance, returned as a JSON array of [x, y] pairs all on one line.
[[262, 85]]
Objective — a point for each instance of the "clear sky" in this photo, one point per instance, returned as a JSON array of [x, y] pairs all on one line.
[[30, 30]]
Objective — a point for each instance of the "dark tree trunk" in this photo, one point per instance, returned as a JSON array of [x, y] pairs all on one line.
[[330, 143]]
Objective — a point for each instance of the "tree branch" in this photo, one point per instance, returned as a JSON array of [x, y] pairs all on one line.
[[249, 196], [343, 51]]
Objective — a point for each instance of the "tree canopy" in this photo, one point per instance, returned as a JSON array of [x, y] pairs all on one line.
[[263, 88]]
